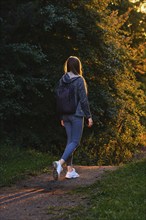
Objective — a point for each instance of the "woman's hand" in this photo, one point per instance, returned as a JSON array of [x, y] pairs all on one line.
[[90, 122], [62, 123]]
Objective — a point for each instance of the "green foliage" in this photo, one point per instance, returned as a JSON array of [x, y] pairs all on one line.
[[117, 195], [37, 37], [17, 163], [121, 194]]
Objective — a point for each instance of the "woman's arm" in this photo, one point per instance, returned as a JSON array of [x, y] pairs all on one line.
[[82, 93]]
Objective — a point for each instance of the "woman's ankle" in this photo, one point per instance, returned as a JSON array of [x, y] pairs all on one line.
[[69, 168], [61, 161]]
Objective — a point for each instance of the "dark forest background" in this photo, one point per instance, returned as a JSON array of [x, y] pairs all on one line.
[[109, 38]]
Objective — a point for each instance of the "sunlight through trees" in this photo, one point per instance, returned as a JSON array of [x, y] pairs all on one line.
[[109, 37]]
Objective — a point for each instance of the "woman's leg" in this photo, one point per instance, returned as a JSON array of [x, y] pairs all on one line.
[[68, 128], [74, 128], [69, 163], [69, 140], [57, 165], [76, 133]]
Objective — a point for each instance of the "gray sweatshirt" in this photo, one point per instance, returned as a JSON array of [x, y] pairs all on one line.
[[83, 108]]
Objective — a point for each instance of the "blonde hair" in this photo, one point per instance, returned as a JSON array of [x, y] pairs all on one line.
[[74, 65]]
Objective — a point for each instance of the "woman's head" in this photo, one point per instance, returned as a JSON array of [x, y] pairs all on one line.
[[73, 64]]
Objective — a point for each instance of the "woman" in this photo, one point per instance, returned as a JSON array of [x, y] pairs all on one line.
[[73, 123]]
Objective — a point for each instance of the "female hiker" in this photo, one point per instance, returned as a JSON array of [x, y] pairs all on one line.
[[72, 121]]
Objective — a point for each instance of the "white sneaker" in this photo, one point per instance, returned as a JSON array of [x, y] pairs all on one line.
[[57, 169], [72, 174]]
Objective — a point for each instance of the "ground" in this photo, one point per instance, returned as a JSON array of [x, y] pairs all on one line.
[[42, 198]]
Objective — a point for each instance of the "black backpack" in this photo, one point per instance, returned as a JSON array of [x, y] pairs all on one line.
[[66, 99]]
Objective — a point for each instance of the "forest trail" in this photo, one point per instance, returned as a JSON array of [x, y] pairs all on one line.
[[42, 198]]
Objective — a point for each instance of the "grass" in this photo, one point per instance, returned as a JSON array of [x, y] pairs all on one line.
[[119, 195], [17, 163], [122, 195]]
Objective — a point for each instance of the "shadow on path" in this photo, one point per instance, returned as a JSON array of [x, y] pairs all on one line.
[[30, 199]]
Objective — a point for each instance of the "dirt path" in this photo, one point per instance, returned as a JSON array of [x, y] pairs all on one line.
[[42, 198]]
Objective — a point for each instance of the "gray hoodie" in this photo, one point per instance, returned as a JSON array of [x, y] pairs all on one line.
[[78, 81]]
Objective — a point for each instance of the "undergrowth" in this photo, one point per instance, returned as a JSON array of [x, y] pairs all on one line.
[[16, 163]]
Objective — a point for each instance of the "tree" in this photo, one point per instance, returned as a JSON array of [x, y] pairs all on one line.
[[38, 36]]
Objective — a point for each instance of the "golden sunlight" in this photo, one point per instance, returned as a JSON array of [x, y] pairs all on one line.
[[133, 1], [143, 7]]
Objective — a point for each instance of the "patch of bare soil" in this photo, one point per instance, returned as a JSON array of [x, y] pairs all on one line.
[[42, 198]]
